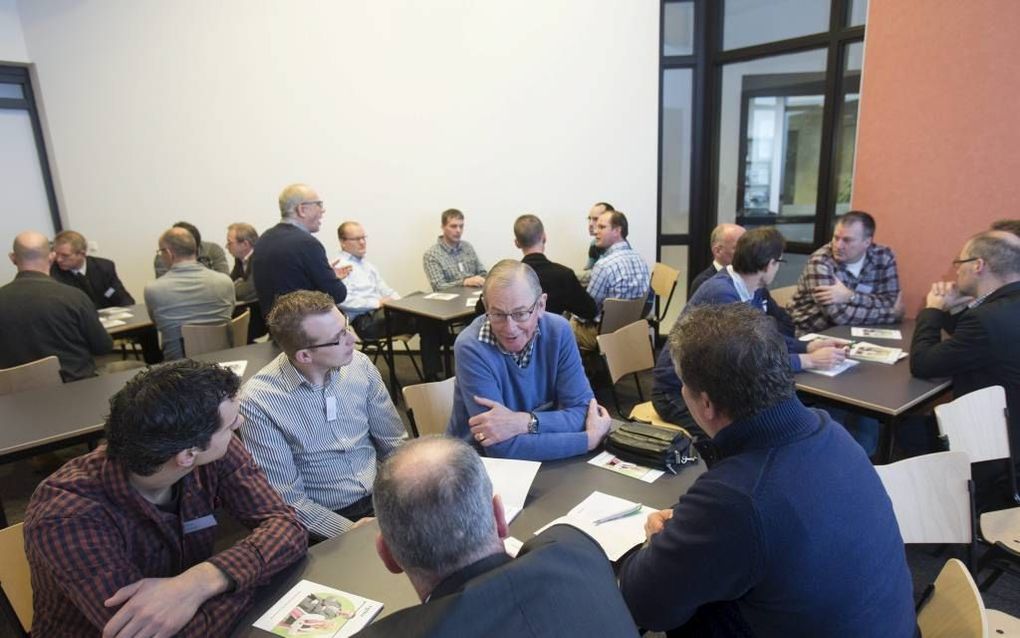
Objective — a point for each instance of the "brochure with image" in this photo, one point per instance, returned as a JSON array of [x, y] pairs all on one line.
[[607, 461], [310, 609], [865, 351]]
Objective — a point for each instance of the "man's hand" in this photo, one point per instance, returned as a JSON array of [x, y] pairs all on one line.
[[475, 282], [498, 424], [817, 344], [596, 424], [160, 607], [836, 293], [655, 522], [341, 271], [823, 358], [944, 295]]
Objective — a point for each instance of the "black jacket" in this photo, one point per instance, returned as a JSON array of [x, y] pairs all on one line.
[[559, 282], [288, 259], [100, 283]]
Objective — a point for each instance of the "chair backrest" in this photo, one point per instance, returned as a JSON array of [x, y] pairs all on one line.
[[28, 376], [783, 296], [239, 329], [15, 579], [931, 497], [617, 313], [202, 338], [955, 608], [976, 424], [430, 406], [664, 280], [627, 350]]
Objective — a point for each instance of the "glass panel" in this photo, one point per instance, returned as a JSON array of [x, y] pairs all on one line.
[[789, 272], [676, 150], [678, 32], [749, 22], [11, 91], [858, 12], [846, 140], [770, 141], [675, 256]]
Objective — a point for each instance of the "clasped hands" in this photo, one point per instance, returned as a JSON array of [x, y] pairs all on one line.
[[499, 423], [944, 295]]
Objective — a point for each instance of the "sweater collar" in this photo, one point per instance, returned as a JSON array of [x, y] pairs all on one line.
[[779, 424]]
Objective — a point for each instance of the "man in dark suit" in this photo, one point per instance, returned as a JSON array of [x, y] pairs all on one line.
[[289, 258], [440, 523], [241, 240], [983, 348], [95, 276], [724, 243]]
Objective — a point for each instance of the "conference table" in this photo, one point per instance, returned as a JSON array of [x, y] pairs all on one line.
[[37, 421], [887, 392], [350, 563]]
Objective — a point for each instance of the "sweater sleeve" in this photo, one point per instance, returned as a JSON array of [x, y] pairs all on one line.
[[320, 273]]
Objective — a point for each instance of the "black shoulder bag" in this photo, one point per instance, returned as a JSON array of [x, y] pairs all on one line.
[[652, 446]]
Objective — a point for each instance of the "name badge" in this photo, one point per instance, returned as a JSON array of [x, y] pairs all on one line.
[[331, 408], [864, 289], [198, 524], [109, 293], [460, 266]]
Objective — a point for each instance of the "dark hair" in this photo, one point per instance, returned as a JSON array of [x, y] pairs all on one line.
[[528, 230], [735, 355], [608, 208], [191, 228], [999, 250], [756, 248], [859, 216], [1008, 225], [450, 212], [288, 314], [166, 409], [618, 220]]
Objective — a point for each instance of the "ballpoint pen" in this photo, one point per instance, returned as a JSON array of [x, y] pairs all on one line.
[[625, 513]]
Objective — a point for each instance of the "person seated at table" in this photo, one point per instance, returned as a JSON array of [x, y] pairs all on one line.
[[208, 253], [983, 347], [451, 261], [789, 532], [564, 292], [241, 240], [441, 524], [95, 276], [520, 390], [121, 540], [318, 417], [188, 293], [850, 281], [723, 243], [367, 291], [40, 317], [594, 252]]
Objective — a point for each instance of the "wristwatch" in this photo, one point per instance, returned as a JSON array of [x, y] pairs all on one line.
[[533, 424]]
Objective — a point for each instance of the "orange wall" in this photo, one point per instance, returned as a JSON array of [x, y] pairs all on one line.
[[938, 146]]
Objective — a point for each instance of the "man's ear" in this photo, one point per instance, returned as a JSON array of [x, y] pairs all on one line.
[[500, 515], [186, 458], [383, 550], [11, 257]]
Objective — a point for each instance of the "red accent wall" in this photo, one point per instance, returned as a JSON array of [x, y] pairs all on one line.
[[938, 146]]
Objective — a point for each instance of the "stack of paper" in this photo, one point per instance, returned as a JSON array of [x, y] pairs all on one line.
[[512, 480], [616, 524], [310, 609]]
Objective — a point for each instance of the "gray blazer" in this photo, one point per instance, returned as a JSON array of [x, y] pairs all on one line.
[[187, 293]]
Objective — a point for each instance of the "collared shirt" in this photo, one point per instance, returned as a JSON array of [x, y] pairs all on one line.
[[621, 273], [874, 291], [319, 445], [88, 533], [447, 266], [188, 293], [522, 358], [980, 300], [365, 286], [738, 283]]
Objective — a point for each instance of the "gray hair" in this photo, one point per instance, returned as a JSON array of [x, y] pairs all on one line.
[[999, 249], [508, 272], [180, 242], [290, 197], [735, 355], [244, 232], [433, 501]]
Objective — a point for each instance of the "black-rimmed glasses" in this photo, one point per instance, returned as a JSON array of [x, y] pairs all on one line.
[[519, 316], [957, 262], [339, 340]]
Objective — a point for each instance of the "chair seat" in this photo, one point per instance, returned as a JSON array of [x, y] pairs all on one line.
[[646, 412], [1002, 624], [1003, 527]]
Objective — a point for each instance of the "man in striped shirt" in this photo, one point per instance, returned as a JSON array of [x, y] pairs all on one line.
[[318, 417]]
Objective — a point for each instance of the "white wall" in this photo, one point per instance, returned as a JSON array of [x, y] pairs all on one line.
[[394, 110], [12, 42]]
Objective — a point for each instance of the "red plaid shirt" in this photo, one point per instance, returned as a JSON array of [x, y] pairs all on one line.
[[875, 291], [88, 533]]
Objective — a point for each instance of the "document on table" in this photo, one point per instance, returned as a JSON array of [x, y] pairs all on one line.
[[836, 369], [812, 336], [111, 323], [113, 310], [876, 333], [879, 354], [311, 609], [512, 480], [616, 524], [237, 367], [441, 296], [607, 461]]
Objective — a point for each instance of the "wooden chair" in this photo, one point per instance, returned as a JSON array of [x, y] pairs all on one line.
[[646, 413], [952, 607], [41, 373], [617, 313], [429, 406], [783, 296], [664, 279], [976, 424], [202, 338], [15, 580], [628, 351]]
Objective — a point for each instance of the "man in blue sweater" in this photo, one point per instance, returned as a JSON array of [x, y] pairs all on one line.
[[789, 532], [520, 390]]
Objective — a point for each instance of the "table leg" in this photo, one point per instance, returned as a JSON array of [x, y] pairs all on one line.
[[447, 349]]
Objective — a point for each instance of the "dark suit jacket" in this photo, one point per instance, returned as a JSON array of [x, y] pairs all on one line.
[[101, 283], [559, 585], [288, 258], [559, 282], [40, 317], [702, 277], [984, 349]]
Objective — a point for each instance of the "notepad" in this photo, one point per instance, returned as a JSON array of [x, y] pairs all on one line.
[[615, 537]]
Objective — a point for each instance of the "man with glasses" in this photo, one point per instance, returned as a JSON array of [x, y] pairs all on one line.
[[95, 276], [594, 252], [289, 258], [318, 417], [520, 390]]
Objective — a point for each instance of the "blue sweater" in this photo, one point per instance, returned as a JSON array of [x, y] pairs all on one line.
[[790, 524], [553, 386]]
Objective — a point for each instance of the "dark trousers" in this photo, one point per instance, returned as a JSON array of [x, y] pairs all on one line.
[[358, 510], [372, 325], [673, 410]]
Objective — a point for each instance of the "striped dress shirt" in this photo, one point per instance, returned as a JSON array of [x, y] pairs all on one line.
[[621, 273], [319, 445]]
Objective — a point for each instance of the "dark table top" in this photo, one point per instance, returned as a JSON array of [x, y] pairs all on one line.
[[882, 388], [416, 303]]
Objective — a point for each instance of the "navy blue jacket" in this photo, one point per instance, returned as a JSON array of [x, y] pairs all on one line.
[[290, 259]]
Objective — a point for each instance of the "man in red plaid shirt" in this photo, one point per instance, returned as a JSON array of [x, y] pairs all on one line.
[[121, 539], [850, 281]]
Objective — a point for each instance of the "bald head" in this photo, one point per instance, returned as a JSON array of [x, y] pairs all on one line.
[[724, 242], [177, 245], [32, 252]]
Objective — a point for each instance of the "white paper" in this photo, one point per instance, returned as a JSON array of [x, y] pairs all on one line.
[[111, 323], [812, 336], [876, 333], [511, 479], [310, 609], [607, 461], [112, 310], [237, 367], [615, 537], [119, 315], [471, 303], [441, 296], [836, 369], [512, 546]]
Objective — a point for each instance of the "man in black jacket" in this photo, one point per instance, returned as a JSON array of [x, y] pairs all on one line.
[[95, 276], [559, 282]]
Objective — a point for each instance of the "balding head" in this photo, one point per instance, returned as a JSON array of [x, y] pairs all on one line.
[[177, 245], [32, 252], [724, 242]]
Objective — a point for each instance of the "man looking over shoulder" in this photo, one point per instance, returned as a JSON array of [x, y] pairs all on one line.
[[594, 252], [520, 390], [563, 292], [850, 281], [121, 539], [441, 524], [95, 276], [723, 243], [451, 261]]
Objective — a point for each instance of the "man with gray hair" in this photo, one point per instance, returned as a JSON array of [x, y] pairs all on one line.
[[289, 258], [441, 525], [788, 496], [723, 243], [188, 292], [520, 390], [95, 276]]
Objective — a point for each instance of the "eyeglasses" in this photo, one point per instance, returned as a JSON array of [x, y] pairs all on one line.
[[315, 202], [519, 316], [362, 238], [957, 262], [340, 338]]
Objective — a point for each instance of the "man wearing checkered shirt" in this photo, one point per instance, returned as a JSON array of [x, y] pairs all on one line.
[[850, 281], [451, 261]]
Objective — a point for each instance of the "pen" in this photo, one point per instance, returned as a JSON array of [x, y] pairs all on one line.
[[625, 513]]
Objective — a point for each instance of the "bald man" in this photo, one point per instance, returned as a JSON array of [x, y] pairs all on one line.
[[724, 244], [40, 316]]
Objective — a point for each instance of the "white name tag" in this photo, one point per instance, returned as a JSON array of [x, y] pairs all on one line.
[[109, 293], [460, 266], [198, 524], [331, 408], [864, 289]]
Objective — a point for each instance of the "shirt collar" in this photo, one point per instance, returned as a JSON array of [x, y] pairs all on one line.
[[292, 377], [349, 257], [623, 244], [295, 223], [980, 300], [522, 358], [446, 247], [738, 282]]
